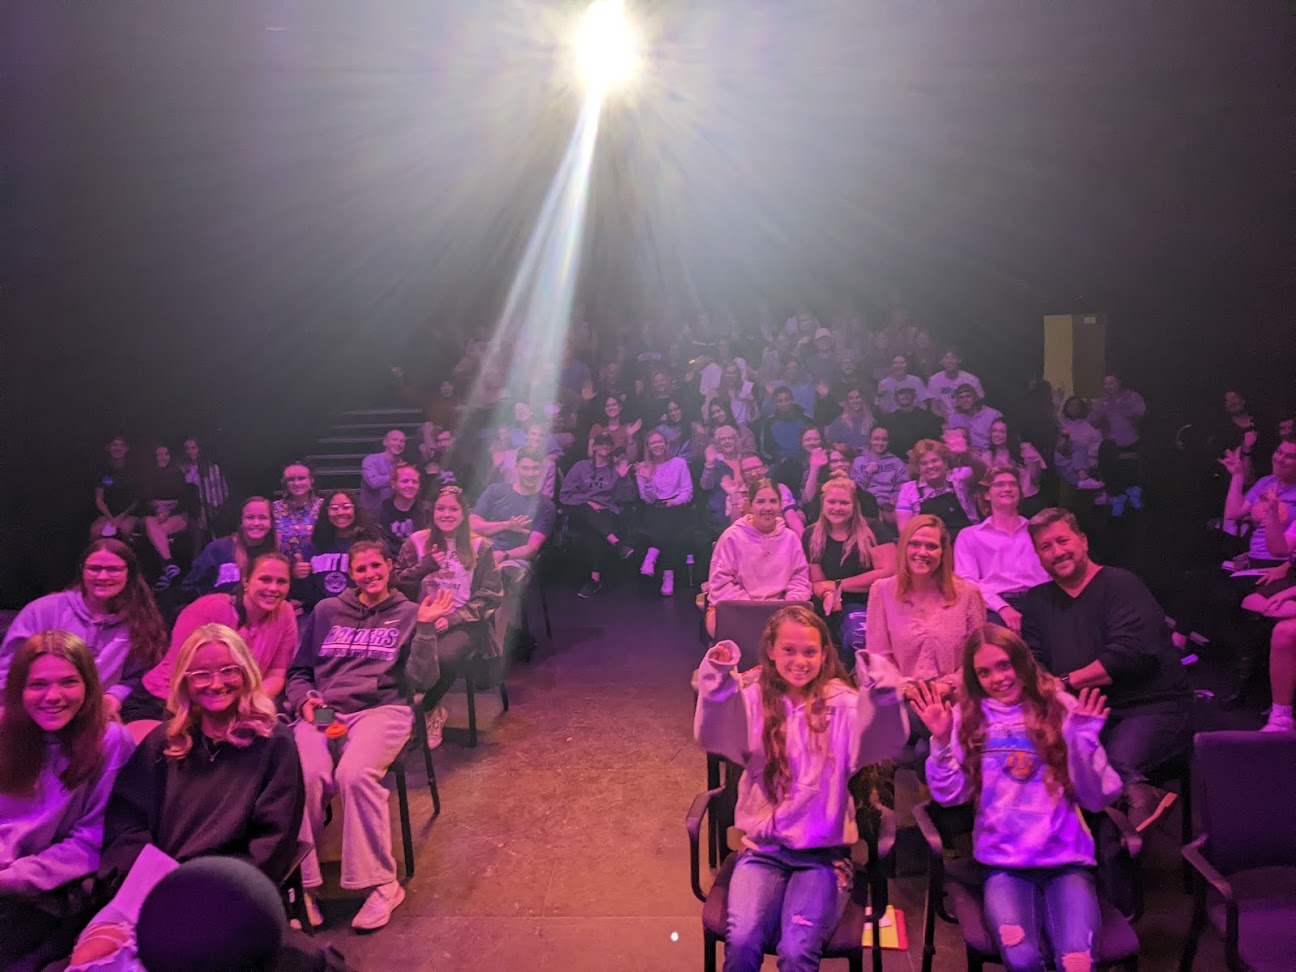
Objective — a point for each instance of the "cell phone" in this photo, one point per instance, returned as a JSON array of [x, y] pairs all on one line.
[[324, 716]]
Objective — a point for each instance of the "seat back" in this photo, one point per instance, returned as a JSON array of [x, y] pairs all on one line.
[[743, 622], [1246, 782]]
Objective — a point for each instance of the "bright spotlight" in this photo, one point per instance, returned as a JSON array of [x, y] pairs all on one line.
[[606, 47]]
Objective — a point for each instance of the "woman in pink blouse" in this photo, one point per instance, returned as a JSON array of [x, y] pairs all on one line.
[[920, 618], [258, 610]]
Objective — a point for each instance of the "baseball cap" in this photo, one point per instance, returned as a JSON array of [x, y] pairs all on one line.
[[823, 332]]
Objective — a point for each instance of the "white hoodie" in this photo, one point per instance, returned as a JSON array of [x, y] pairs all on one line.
[[748, 565]]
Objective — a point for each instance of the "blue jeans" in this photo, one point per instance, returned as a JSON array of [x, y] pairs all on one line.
[[1060, 900], [792, 897]]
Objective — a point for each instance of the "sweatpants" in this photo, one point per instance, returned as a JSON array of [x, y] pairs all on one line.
[[375, 739]]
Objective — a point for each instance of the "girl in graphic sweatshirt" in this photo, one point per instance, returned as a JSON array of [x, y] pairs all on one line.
[[59, 754], [361, 655], [800, 731], [1027, 755], [758, 558]]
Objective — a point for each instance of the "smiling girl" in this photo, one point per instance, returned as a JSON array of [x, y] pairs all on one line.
[[800, 731], [258, 611], [221, 777], [447, 557], [1027, 755], [110, 608], [59, 754], [223, 562]]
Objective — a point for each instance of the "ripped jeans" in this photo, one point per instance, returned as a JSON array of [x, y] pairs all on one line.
[[789, 898], [1060, 900]]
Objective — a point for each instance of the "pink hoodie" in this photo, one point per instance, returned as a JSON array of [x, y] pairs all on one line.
[[748, 565]]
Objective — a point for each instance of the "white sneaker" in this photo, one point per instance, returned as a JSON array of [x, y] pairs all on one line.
[[378, 907], [668, 583], [1279, 725], [435, 722], [650, 562]]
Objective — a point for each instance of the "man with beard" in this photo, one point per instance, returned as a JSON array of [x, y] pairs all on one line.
[[1100, 627]]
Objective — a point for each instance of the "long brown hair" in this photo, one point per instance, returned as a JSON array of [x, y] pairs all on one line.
[[1040, 704], [777, 776], [243, 554], [134, 605], [944, 570], [23, 748], [859, 537], [256, 713], [463, 534]]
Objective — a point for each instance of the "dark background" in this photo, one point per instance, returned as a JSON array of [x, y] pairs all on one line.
[[218, 228]]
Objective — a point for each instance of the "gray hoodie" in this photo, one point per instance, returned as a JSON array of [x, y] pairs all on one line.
[[108, 637], [357, 657]]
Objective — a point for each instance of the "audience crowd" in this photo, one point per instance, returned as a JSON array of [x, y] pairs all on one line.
[[219, 671]]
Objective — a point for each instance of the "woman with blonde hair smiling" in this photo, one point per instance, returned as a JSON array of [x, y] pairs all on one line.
[[221, 777]]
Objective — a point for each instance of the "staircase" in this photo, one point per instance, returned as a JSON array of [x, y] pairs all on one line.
[[356, 434]]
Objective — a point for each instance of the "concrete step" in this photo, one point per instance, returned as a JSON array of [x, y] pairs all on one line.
[[394, 412]]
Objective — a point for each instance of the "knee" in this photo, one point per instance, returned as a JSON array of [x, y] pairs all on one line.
[[1076, 962], [801, 944], [1011, 935], [352, 776]]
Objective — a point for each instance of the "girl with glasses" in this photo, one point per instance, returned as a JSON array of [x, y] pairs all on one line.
[[320, 570], [220, 777], [110, 608]]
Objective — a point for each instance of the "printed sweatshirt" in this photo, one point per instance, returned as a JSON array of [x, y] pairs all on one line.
[[864, 727], [1020, 823], [885, 481], [357, 657], [586, 482], [107, 637], [417, 575], [215, 569], [54, 835], [748, 565], [329, 575]]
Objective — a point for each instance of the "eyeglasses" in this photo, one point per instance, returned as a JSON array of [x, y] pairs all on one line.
[[341, 507], [200, 678], [107, 571]]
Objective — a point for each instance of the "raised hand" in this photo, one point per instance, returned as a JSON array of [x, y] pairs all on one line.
[[1232, 461], [438, 554], [622, 467], [435, 607], [818, 457], [300, 569], [722, 654], [711, 453], [1092, 703], [644, 470], [1249, 440], [936, 714]]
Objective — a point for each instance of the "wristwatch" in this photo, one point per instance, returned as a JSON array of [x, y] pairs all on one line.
[[1066, 682]]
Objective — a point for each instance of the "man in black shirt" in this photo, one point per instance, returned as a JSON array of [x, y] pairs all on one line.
[[1100, 627], [909, 424]]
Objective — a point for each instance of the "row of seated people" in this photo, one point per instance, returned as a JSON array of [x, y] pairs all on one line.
[[122, 754]]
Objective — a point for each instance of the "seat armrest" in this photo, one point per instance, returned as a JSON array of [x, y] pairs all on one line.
[[1192, 853], [1130, 838], [702, 804], [935, 846]]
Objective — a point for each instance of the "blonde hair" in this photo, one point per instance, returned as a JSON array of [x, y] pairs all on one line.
[[944, 570], [256, 712], [859, 537]]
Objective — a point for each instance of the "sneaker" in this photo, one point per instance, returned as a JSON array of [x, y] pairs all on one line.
[[1279, 724], [591, 588], [435, 721], [624, 551], [313, 913], [649, 567], [1147, 804], [378, 907], [168, 576], [668, 583]]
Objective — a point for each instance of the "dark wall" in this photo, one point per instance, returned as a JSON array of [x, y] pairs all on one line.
[[229, 217]]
